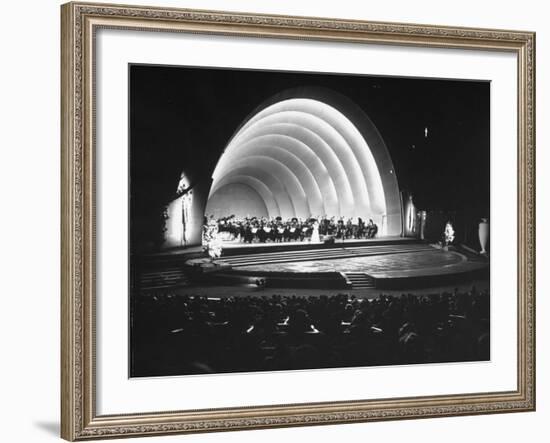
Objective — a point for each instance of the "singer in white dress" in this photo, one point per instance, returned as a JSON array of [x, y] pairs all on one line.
[[315, 235]]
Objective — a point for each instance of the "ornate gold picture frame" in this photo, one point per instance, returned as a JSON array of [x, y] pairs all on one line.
[[80, 23]]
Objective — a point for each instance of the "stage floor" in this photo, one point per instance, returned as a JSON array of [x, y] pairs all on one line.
[[380, 264], [402, 264]]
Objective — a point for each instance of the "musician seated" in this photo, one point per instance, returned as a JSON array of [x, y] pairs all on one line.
[[294, 232], [263, 233], [305, 232], [371, 229], [340, 229], [279, 235], [269, 232], [251, 232]]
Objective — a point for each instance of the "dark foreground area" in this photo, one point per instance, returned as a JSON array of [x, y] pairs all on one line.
[[191, 334]]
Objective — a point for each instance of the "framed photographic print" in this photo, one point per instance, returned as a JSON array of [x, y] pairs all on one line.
[[282, 221]]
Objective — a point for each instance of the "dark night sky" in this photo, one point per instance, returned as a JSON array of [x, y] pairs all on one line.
[[184, 117]]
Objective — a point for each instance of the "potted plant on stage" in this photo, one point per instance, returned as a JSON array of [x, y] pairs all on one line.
[[210, 239]]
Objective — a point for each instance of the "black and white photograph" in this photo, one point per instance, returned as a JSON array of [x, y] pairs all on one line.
[[277, 221], [303, 220]]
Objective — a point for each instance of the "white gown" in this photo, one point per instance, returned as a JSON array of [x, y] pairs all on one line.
[[315, 235]]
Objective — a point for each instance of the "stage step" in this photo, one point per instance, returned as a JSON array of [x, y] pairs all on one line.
[[359, 280], [320, 254], [162, 278], [238, 247]]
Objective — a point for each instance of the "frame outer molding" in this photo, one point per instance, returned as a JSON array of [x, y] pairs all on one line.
[[68, 379], [78, 417]]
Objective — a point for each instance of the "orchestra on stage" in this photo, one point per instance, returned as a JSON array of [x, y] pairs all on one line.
[[277, 230]]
